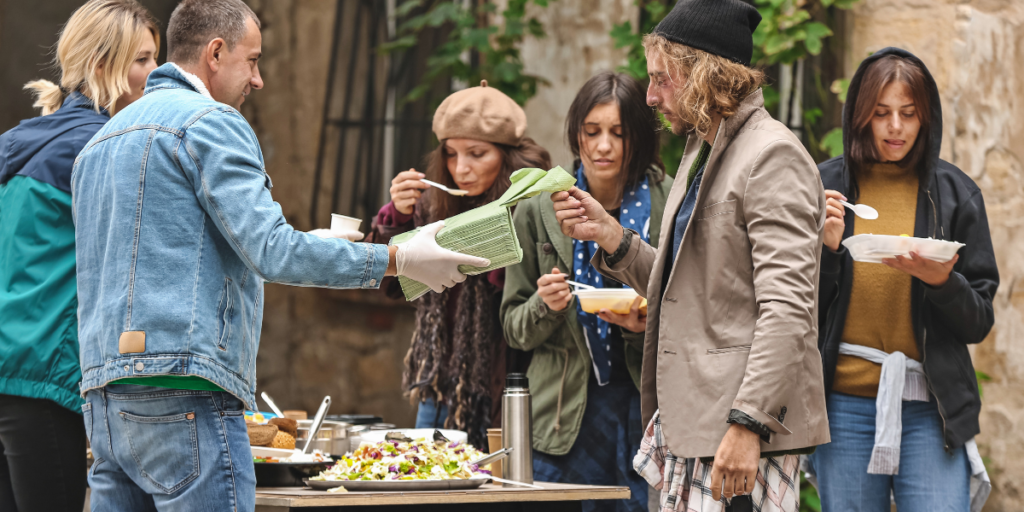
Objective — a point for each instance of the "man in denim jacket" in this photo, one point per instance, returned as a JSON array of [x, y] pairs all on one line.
[[176, 233]]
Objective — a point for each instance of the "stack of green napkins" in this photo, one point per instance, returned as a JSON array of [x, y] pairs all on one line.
[[487, 231]]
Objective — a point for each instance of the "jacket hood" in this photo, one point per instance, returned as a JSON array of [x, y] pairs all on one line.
[[20, 146], [931, 160]]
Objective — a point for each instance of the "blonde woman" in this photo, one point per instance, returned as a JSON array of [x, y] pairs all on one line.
[[105, 52]]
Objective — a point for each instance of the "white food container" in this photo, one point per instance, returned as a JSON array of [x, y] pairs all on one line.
[[875, 248], [616, 300], [376, 436]]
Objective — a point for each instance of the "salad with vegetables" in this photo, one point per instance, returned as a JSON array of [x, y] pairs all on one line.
[[407, 459]]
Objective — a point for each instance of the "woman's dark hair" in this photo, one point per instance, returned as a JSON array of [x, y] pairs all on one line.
[[640, 137], [863, 152], [441, 206]]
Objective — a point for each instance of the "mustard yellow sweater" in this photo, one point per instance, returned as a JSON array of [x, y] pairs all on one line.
[[879, 312]]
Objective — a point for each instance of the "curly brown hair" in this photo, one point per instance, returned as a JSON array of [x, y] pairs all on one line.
[[712, 83]]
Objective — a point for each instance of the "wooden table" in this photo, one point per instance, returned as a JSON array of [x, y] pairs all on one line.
[[554, 497]]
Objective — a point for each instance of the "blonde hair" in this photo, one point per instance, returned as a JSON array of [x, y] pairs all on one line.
[[107, 32], [713, 83]]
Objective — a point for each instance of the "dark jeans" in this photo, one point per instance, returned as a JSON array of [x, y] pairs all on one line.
[[43, 464]]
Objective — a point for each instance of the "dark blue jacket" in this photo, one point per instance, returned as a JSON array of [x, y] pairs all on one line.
[[38, 294]]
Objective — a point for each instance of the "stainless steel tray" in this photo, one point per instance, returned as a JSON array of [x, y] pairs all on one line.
[[397, 485]]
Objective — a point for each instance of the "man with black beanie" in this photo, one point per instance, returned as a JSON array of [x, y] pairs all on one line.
[[732, 377]]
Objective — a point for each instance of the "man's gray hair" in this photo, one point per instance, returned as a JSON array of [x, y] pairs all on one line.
[[195, 23]]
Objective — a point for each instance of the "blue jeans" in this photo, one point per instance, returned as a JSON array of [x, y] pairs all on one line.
[[929, 479], [159, 449], [428, 412]]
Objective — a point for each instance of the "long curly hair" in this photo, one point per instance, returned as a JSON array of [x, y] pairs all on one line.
[[712, 83]]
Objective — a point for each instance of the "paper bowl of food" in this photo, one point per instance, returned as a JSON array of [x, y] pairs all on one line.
[[616, 300], [869, 248]]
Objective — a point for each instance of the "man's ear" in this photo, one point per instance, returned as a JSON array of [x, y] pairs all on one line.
[[214, 53]]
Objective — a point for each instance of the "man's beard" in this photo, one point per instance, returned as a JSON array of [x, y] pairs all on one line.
[[682, 128]]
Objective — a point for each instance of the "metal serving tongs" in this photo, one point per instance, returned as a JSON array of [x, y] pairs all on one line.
[[318, 421], [495, 457]]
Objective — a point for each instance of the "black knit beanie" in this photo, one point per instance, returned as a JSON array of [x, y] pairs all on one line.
[[720, 27]]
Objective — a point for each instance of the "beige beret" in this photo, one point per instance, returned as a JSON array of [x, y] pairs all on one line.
[[480, 113]]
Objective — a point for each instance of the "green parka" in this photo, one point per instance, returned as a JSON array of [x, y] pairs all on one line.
[[561, 365]]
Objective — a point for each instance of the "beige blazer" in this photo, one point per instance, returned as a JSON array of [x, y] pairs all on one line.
[[737, 324]]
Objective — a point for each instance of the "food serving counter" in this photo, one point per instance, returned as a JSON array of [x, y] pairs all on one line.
[[490, 497]]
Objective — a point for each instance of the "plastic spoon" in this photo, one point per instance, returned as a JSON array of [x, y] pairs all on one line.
[[318, 420], [273, 406], [581, 286], [452, 191], [861, 210]]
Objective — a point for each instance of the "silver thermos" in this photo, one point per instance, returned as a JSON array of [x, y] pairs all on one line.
[[517, 429]]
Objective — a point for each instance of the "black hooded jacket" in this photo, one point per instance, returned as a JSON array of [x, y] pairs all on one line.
[[947, 318]]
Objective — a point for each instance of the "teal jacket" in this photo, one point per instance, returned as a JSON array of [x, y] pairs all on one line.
[[561, 363], [38, 294]]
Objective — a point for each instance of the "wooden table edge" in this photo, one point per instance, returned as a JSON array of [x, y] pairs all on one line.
[[491, 494]]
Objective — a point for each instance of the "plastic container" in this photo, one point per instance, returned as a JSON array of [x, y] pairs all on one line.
[[343, 223], [874, 248], [616, 300]]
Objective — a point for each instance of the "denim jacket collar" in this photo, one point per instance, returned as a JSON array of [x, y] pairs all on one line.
[[171, 76]]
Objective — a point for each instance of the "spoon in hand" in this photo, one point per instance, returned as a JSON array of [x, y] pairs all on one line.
[[452, 191], [861, 210]]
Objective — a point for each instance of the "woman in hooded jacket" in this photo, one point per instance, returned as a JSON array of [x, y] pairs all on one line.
[[104, 54], [894, 336]]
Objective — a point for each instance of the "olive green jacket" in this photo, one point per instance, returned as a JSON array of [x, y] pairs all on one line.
[[561, 363]]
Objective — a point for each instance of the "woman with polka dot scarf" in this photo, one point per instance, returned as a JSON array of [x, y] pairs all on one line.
[[585, 371]]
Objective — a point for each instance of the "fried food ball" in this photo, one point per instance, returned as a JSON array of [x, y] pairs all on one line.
[[283, 440]]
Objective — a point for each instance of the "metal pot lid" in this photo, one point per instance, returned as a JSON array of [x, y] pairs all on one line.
[[356, 419]]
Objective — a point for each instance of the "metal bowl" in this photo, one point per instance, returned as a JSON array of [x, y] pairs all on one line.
[[332, 438]]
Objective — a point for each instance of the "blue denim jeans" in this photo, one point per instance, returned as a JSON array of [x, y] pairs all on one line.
[[929, 479], [428, 416], [159, 449]]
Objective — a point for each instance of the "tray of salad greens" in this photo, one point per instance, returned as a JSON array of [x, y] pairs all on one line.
[[402, 464]]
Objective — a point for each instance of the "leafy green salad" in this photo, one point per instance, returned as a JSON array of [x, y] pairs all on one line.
[[418, 459]]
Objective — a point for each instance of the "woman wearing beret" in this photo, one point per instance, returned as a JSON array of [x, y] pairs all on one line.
[[585, 372], [456, 366]]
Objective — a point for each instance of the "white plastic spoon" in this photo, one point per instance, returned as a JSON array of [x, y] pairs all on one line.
[[452, 191], [580, 285], [861, 210]]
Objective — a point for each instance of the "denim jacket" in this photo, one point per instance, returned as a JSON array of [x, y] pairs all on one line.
[[176, 232]]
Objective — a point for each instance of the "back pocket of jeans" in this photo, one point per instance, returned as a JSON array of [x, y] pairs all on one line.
[[165, 448]]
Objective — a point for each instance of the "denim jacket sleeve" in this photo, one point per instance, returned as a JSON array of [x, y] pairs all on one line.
[[221, 154]]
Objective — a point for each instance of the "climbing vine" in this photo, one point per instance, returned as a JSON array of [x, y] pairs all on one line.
[[476, 48]]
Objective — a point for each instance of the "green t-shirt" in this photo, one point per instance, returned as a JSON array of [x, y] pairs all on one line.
[[171, 382]]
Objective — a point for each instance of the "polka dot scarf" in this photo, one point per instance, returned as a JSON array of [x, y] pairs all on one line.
[[635, 214]]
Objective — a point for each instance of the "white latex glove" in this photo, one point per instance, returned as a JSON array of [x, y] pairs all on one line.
[[421, 259], [351, 236]]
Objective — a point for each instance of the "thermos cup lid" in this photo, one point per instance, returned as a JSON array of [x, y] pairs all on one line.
[[517, 380]]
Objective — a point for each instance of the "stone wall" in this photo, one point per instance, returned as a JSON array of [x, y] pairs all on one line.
[[975, 50], [577, 47]]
